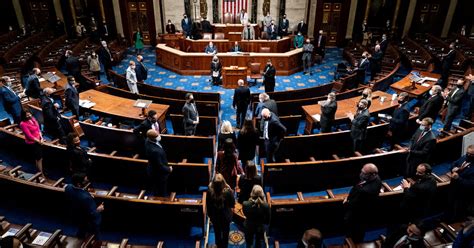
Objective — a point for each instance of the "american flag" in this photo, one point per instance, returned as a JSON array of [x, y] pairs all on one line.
[[234, 7]]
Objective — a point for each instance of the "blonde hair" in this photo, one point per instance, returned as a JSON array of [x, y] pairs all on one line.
[[257, 195], [369, 93], [226, 127]]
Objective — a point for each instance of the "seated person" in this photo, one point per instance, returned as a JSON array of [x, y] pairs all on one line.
[[236, 47], [210, 49], [407, 236]]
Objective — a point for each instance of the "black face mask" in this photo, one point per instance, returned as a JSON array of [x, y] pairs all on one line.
[[469, 158], [459, 85], [401, 101], [365, 95], [364, 177], [418, 177]]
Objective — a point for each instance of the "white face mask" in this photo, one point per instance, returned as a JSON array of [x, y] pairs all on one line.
[[431, 92], [158, 139]]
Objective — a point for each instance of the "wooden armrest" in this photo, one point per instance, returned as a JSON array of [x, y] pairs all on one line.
[[88, 242], [277, 244], [54, 238], [451, 232], [312, 158], [330, 193], [112, 191], [459, 128], [300, 196], [287, 160], [141, 194], [172, 196], [124, 243], [10, 126], [92, 149], [35, 177], [58, 182], [185, 160], [446, 133], [87, 186], [55, 142], [439, 179], [387, 187], [160, 244], [398, 147], [14, 170], [23, 231], [269, 199], [335, 157], [378, 150], [136, 156], [113, 153], [198, 244], [358, 154], [350, 243]]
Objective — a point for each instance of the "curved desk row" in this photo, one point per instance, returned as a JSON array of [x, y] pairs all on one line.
[[274, 46], [200, 63]]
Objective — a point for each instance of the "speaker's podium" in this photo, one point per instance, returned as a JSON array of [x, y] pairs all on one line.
[[231, 74]]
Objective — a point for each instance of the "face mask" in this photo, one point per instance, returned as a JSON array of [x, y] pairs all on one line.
[[401, 101], [158, 139], [417, 176], [184, 17], [431, 92], [422, 128], [413, 238], [364, 177], [469, 158], [459, 85], [365, 95]]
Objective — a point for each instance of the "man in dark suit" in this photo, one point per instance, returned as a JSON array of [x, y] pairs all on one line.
[[422, 144], [399, 120], [284, 25], [462, 184], [272, 31], [417, 195], [170, 28], [236, 47], [86, 213], [375, 62], [302, 27], [269, 77], [470, 93], [51, 116], [361, 68], [361, 202], [446, 64], [206, 25], [311, 238], [151, 122], [140, 70], [453, 100], [273, 133], [432, 105], [11, 101], [158, 168], [72, 96], [359, 123], [328, 112], [33, 89], [210, 49], [106, 59], [406, 236], [384, 43], [265, 102], [187, 26], [190, 115], [320, 44], [241, 102], [79, 160], [73, 67]]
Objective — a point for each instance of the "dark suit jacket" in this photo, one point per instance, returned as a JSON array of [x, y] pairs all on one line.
[[241, 97], [73, 67], [269, 104], [51, 115], [303, 28], [157, 161], [376, 61], [383, 45], [256, 216], [79, 159], [206, 26], [84, 206], [466, 176], [455, 102], [34, 89], [328, 113], [399, 118], [276, 130], [431, 107], [72, 99], [189, 115], [11, 101], [141, 71], [363, 197], [216, 67], [269, 76], [273, 34], [284, 24], [323, 42], [421, 150], [170, 28], [236, 49], [359, 125], [141, 129], [187, 27], [448, 60], [417, 199], [105, 57]]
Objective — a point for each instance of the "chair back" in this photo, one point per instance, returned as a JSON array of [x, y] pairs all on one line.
[[219, 36], [228, 18], [254, 68], [265, 36], [207, 36], [264, 49]]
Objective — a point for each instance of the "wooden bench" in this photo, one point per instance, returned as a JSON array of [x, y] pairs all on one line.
[[207, 125]]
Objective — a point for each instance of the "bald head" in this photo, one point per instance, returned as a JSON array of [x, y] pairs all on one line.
[[240, 82], [48, 91], [369, 172], [266, 113], [152, 134], [370, 168]]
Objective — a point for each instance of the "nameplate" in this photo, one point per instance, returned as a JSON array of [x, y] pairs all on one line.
[[41, 238], [188, 210]]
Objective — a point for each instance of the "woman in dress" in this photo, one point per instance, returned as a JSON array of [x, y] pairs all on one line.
[[227, 163], [138, 39], [33, 137]]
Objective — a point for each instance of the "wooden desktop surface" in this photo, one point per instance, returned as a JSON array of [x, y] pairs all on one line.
[[349, 105], [121, 107], [276, 46], [188, 63], [405, 85], [230, 76], [60, 84]]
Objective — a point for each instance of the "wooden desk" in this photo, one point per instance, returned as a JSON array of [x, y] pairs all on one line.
[[349, 105], [187, 63], [405, 85], [276, 46], [60, 85], [110, 105], [230, 76]]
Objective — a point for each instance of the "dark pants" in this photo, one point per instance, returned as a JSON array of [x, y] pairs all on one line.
[[269, 85], [326, 127], [159, 185], [97, 74], [87, 228], [468, 114], [189, 130], [355, 226], [358, 145], [241, 112], [271, 148], [216, 80], [448, 121], [221, 232], [108, 67], [252, 235]]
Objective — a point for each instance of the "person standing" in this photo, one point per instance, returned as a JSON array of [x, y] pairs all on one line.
[[141, 70], [247, 181], [94, 64], [399, 121], [284, 25], [272, 31], [422, 144], [73, 66], [106, 59], [361, 202], [227, 163], [71, 96], [170, 28], [247, 142], [273, 133], [138, 41], [453, 100], [33, 137], [11, 101], [187, 26], [269, 77], [52, 118], [321, 44], [241, 102], [470, 93], [446, 64], [267, 22], [220, 207], [298, 40], [79, 160], [33, 88], [328, 112], [359, 122], [248, 33], [265, 102], [216, 70], [302, 28], [362, 68], [462, 184], [132, 78], [257, 216], [244, 17], [307, 57], [432, 105], [85, 211], [190, 115], [375, 62], [158, 169], [151, 122]]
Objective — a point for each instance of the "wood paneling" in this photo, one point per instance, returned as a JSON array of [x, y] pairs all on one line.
[[331, 16], [8, 17], [139, 13], [38, 13]]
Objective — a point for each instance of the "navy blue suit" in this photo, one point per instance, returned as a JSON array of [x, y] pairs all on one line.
[[461, 188], [187, 27], [141, 72], [85, 212], [398, 123], [11, 102], [72, 99], [158, 169]]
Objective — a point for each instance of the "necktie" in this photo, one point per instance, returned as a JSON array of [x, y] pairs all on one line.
[[248, 33], [421, 136], [319, 41], [265, 130], [156, 126]]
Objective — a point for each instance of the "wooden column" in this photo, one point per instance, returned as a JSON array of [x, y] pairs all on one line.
[[367, 9], [19, 13], [73, 12], [118, 17], [351, 19], [102, 12], [449, 18], [395, 14], [409, 18]]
